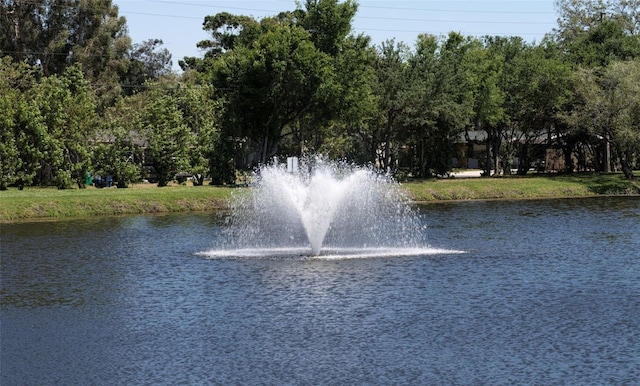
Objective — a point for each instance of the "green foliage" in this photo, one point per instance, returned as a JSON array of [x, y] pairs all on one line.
[[67, 108], [201, 115], [269, 86], [608, 108], [116, 159], [392, 85], [537, 88], [328, 23], [603, 44], [162, 124], [147, 61], [77, 97], [575, 17], [10, 161], [62, 33], [45, 127]]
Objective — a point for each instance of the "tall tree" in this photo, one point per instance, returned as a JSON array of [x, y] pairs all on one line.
[[67, 106], [55, 34], [22, 131], [603, 44], [21, 29], [421, 123], [453, 97], [538, 91], [349, 111], [201, 113], [270, 84], [328, 23], [147, 61], [283, 78], [577, 16], [118, 144], [227, 31], [487, 65], [621, 85], [391, 85], [608, 109], [162, 125], [627, 13]]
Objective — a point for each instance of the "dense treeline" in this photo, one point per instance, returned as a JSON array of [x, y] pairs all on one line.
[[77, 97]]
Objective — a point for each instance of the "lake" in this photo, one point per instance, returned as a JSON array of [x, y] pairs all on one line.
[[546, 292]]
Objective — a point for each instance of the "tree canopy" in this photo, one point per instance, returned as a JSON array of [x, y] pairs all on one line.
[[79, 98]]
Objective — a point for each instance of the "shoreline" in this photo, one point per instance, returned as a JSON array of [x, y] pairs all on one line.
[[226, 208], [46, 204]]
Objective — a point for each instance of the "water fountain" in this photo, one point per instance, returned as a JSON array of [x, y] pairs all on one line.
[[323, 208]]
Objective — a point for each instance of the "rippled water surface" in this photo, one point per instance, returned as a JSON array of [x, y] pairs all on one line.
[[545, 292]]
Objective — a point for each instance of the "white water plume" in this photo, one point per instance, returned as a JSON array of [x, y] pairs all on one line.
[[324, 204]]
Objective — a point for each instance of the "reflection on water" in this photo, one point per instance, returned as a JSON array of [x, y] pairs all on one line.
[[546, 292]]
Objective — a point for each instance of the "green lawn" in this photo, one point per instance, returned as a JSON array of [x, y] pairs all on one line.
[[512, 187], [33, 203], [50, 203]]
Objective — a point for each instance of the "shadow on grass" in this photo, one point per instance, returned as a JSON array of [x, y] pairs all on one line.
[[604, 183]]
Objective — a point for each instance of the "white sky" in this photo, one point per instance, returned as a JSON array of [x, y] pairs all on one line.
[[179, 22]]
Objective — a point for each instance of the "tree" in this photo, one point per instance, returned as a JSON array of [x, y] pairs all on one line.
[[283, 80], [603, 44], [349, 111], [452, 106], [270, 85], [67, 106], [579, 16], [421, 122], [537, 89], [347, 97], [117, 149], [576, 17], [227, 31], [608, 109], [201, 115], [22, 131], [21, 30], [328, 23], [487, 68], [627, 13], [147, 61], [116, 159], [391, 85], [55, 34], [621, 85], [162, 124]]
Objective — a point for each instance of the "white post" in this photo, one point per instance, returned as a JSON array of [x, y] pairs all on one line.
[[292, 164]]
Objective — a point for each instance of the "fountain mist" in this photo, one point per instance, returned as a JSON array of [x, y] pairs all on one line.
[[323, 208]]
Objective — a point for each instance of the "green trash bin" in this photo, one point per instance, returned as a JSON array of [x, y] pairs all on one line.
[[88, 179]]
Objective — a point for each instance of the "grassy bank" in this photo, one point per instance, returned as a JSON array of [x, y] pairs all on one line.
[[44, 203], [512, 187], [40, 203]]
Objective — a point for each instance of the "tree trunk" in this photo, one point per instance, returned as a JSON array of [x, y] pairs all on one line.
[[624, 164], [626, 169], [198, 179], [607, 154], [495, 150], [523, 165], [265, 144], [567, 152], [488, 163], [493, 145], [422, 161]]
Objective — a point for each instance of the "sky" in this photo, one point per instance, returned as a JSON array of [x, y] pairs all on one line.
[[178, 23]]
